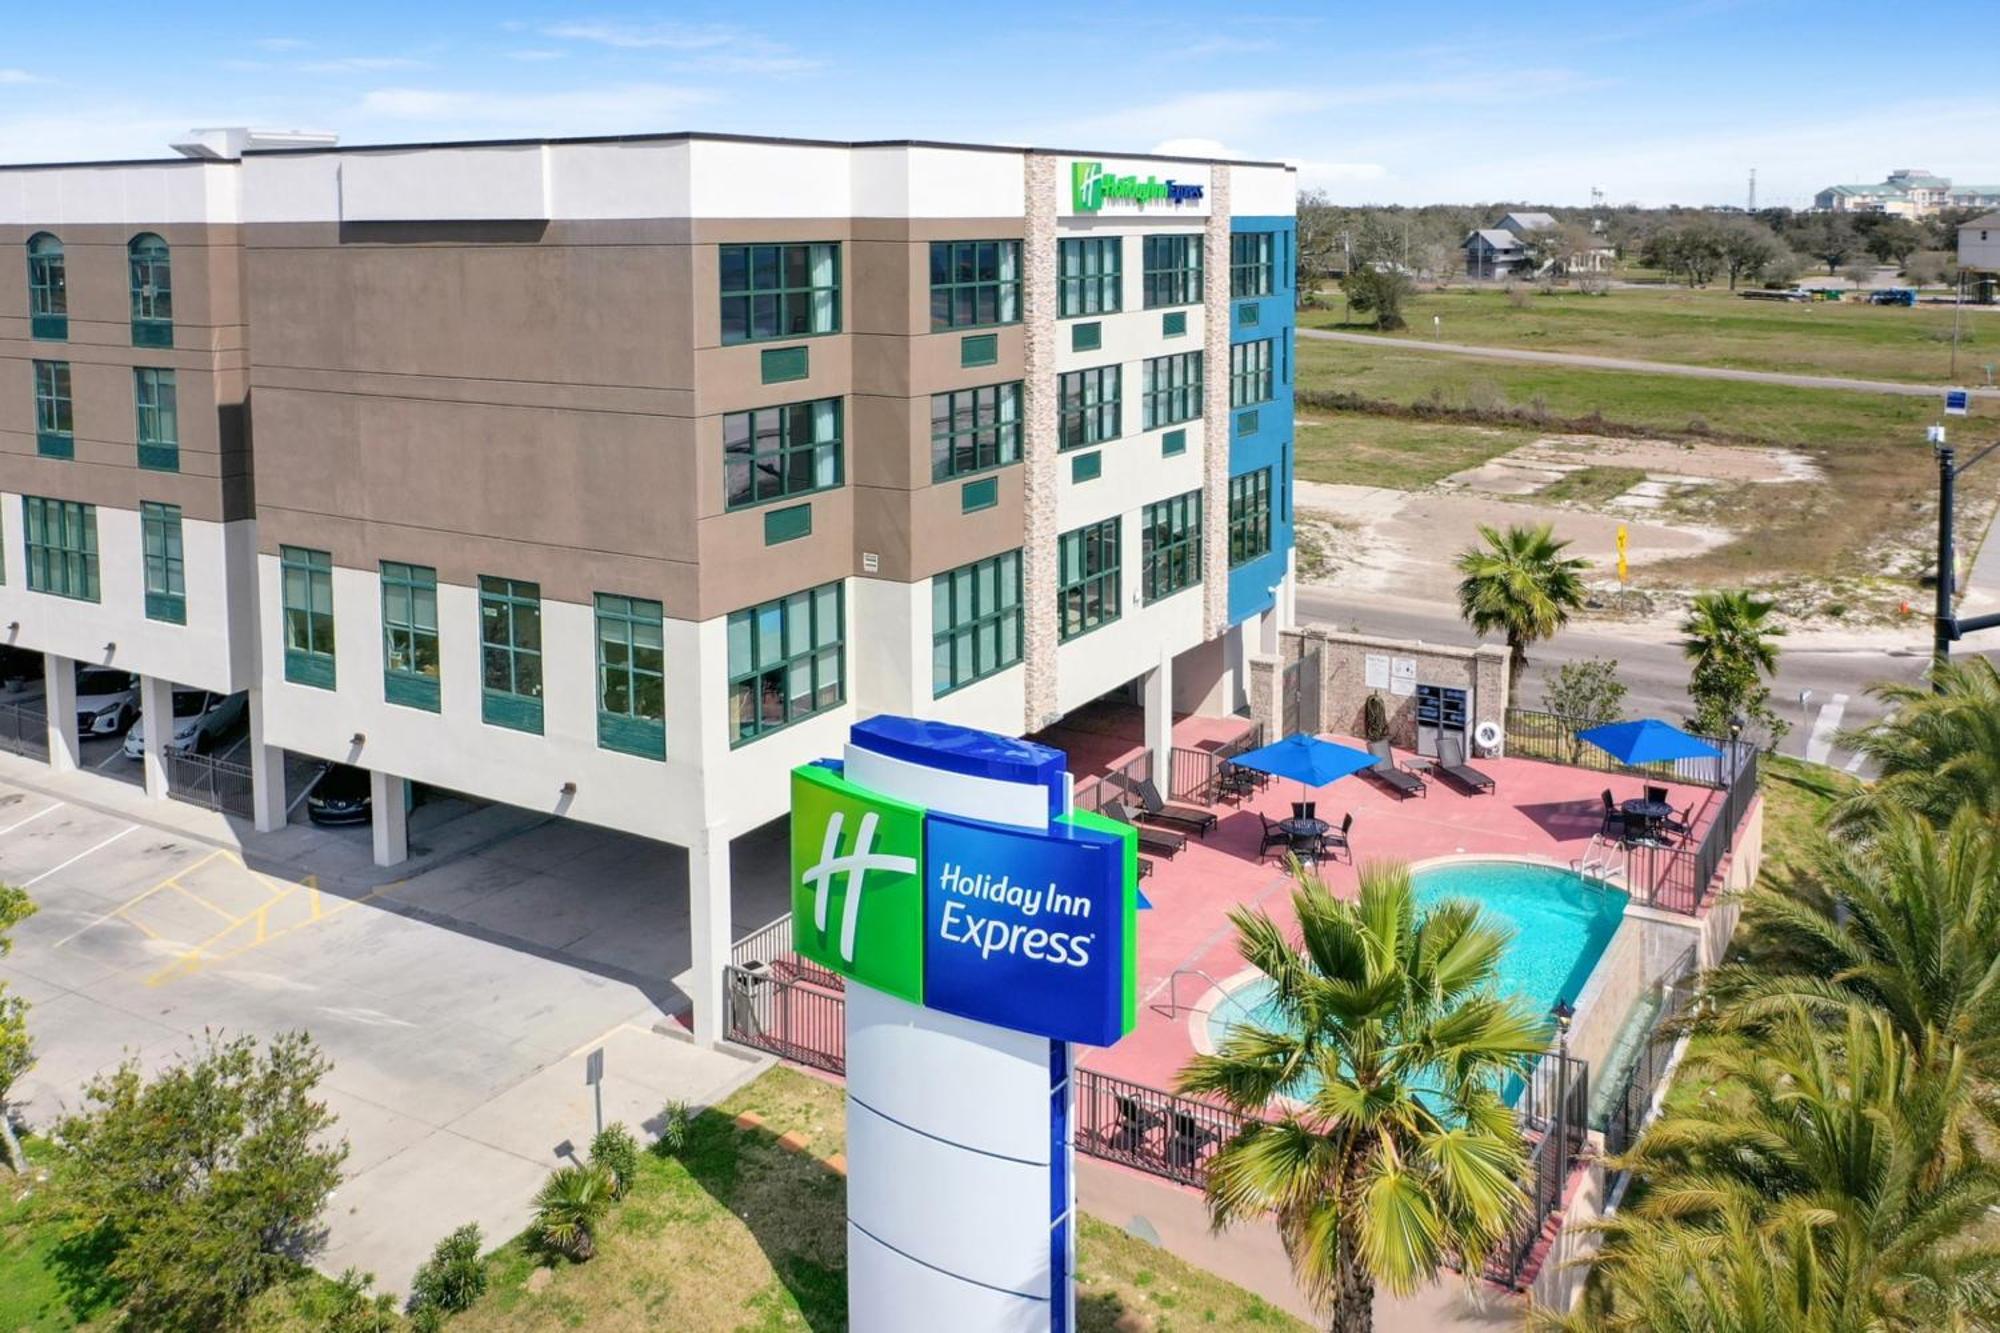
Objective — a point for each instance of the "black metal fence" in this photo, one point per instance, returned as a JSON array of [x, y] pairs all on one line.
[[786, 1016], [770, 949], [1155, 1131], [1562, 1128], [209, 782], [1120, 785], [1197, 772], [24, 730], [1533, 734], [1627, 1115]]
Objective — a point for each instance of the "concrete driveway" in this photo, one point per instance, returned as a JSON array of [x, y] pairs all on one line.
[[457, 996]]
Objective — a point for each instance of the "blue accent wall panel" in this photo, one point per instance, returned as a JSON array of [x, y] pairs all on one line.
[[1270, 444]]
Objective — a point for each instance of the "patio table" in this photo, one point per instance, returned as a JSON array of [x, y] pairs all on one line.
[[1650, 814], [1305, 835]]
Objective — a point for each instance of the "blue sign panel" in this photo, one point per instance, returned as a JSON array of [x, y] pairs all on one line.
[[1026, 929], [1957, 402]]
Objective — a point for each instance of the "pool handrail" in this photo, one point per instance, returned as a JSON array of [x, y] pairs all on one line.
[[1173, 1005]]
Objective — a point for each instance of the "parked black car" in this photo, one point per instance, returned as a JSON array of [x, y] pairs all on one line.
[[340, 796]]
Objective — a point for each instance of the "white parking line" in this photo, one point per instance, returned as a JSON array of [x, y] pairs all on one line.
[[1820, 744], [30, 819], [129, 828], [241, 741], [117, 752]]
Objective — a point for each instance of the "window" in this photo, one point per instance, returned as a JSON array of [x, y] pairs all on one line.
[[1250, 373], [62, 547], [55, 426], [307, 581], [1249, 517], [975, 283], [1250, 263], [152, 292], [1090, 407], [1173, 270], [166, 572], [510, 653], [159, 419], [1087, 570], [48, 288], [786, 661], [975, 429], [1172, 389], [1090, 276], [779, 291], [631, 676], [410, 660], [779, 451], [975, 621], [1171, 545]]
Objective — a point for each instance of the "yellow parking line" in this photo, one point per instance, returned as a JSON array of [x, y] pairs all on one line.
[[206, 953], [200, 901]]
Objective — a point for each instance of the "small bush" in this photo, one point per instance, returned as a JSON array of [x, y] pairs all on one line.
[[357, 1309], [453, 1277], [1375, 718], [616, 1151], [674, 1123], [571, 1204]]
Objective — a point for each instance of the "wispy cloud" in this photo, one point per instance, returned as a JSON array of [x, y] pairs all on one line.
[[13, 76], [360, 65], [717, 48]]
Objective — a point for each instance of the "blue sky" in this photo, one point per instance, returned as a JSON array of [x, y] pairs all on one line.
[[1410, 103]]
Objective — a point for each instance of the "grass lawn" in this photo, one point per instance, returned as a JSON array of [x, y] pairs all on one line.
[[1712, 327], [1592, 485], [1361, 450]]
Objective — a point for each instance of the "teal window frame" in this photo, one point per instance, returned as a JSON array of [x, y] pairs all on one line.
[[1090, 406], [787, 661], [61, 539], [1252, 373], [165, 557], [975, 430], [1249, 517], [776, 453], [1172, 270], [412, 649], [1170, 546], [152, 270], [1171, 389], [1090, 276], [976, 622], [975, 284], [777, 291], [1251, 263], [305, 580], [1089, 590], [55, 410], [510, 653], [631, 676], [48, 288], [156, 402]]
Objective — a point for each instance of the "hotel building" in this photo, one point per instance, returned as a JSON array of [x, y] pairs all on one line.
[[614, 477]]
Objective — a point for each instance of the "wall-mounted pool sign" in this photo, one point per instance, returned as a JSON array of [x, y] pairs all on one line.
[[983, 925], [1091, 187]]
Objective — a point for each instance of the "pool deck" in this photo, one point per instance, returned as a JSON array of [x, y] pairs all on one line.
[[1538, 810]]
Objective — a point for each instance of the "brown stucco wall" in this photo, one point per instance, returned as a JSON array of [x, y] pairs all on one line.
[[1344, 691]]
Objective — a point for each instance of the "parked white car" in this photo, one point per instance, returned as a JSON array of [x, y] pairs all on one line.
[[106, 700], [201, 717]]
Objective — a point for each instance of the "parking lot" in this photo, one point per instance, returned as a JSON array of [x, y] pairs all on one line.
[[457, 996]]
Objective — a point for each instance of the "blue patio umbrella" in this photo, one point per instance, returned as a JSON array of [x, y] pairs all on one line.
[[1647, 741], [1306, 759]]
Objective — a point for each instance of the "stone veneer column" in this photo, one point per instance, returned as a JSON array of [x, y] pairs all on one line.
[[1039, 576], [1216, 418]]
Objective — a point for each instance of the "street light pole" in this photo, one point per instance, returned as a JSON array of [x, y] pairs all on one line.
[[1944, 628]]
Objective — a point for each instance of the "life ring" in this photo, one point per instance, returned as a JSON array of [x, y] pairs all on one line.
[[1487, 735]]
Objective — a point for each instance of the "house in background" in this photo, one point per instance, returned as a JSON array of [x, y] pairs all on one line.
[[1507, 250], [1910, 192], [1979, 250]]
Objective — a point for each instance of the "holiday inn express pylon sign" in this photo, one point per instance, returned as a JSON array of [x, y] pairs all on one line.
[[983, 925]]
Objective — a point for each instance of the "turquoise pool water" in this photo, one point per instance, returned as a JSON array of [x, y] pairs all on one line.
[[1561, 927]]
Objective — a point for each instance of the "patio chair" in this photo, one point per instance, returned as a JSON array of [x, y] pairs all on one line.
[[1155, 840], [1303, 809], [1136, 1121], [1451, 763], [1336, 839], [1398, 780], [1233, 783], [1145, 867], [1159, 810], [1273, 837], [1657, 794], [1614, 818], [1682, 824], [1186, 1138]]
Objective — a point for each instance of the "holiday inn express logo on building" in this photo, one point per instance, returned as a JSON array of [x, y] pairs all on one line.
[[1091, 186]]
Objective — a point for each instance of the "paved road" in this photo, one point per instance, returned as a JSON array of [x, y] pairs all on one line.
[[1655, 673], [1641, 367]]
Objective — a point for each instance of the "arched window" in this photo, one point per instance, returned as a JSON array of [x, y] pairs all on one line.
[[152, 292], [48, 288]]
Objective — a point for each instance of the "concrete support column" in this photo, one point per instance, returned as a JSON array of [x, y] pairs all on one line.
[[710, 931], [59, 696], [267, 772], [389, 814], [156, 707], [1159, 687]]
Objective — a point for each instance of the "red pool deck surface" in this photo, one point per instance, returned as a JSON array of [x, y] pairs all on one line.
[[1537, 809]]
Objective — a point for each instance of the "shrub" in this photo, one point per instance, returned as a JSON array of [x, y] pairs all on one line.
[[674, 1122], [1375, 719], [616, 1151], [571, 1204], [354, 1308], [453, 1277]]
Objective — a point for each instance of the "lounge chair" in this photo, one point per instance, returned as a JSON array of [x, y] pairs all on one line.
[[1159, 810], [1158, 841], [1451, 763], [1274, 836], [1398, 780], [1336, 839]]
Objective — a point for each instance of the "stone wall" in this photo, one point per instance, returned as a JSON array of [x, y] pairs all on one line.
[[1344, 691], [1038, 437], [1217, 420]]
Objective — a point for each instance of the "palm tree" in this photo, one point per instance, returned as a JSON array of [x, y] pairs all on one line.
[[1520, 583], [1730, 643], [1939, 749], [1833, 1159], [569, 1208], [1393, 1152]]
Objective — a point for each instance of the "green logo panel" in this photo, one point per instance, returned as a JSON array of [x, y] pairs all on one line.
[[857, 882]]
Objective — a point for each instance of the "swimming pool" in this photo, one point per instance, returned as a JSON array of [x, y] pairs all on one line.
[[1561, 923]]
